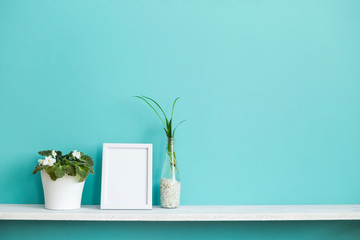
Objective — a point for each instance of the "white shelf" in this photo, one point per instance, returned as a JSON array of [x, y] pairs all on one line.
[[185, 213]]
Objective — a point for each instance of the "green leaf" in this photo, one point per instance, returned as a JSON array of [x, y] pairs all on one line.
[[156, 105], [172, 111], [151, 107], [168, 124], [69, 170], [166, 131], [50, 171], [39, 167], [82, 171], [59, 171], [70, 156], [45, 153], [87, 159], [177, 126], [169, 127]]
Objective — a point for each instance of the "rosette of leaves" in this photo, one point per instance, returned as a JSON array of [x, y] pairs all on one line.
[[67, 165]]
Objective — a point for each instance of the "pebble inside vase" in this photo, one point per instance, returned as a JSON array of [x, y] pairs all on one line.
[[170, 193]]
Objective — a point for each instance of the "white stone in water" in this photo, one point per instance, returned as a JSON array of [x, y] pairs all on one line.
[[169, 193]]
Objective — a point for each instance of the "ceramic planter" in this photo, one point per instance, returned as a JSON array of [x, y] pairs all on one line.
[[63, 194]]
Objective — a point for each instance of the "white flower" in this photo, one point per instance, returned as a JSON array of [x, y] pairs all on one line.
[[50, 161], [76, 154], [53, 153], [47, 161]]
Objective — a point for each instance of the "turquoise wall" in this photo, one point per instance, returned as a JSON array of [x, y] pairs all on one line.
[[270, 90]]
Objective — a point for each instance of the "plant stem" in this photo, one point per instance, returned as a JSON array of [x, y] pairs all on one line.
[[172, 155]]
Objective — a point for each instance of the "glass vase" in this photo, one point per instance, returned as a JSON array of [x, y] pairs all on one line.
[[170, 179]]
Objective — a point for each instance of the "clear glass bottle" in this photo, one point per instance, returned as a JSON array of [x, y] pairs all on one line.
[[170, 179]]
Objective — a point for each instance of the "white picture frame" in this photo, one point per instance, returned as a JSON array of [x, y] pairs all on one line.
[[126, 181]]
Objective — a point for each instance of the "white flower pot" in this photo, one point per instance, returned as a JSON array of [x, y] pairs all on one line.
[[63, 194]]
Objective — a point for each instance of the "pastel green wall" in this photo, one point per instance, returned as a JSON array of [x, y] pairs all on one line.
[[270, 90]]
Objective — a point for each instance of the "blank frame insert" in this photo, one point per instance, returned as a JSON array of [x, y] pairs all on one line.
[[126, 181]]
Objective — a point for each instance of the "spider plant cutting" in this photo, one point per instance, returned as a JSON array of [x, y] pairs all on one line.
[[170, 179], [167, 126]]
